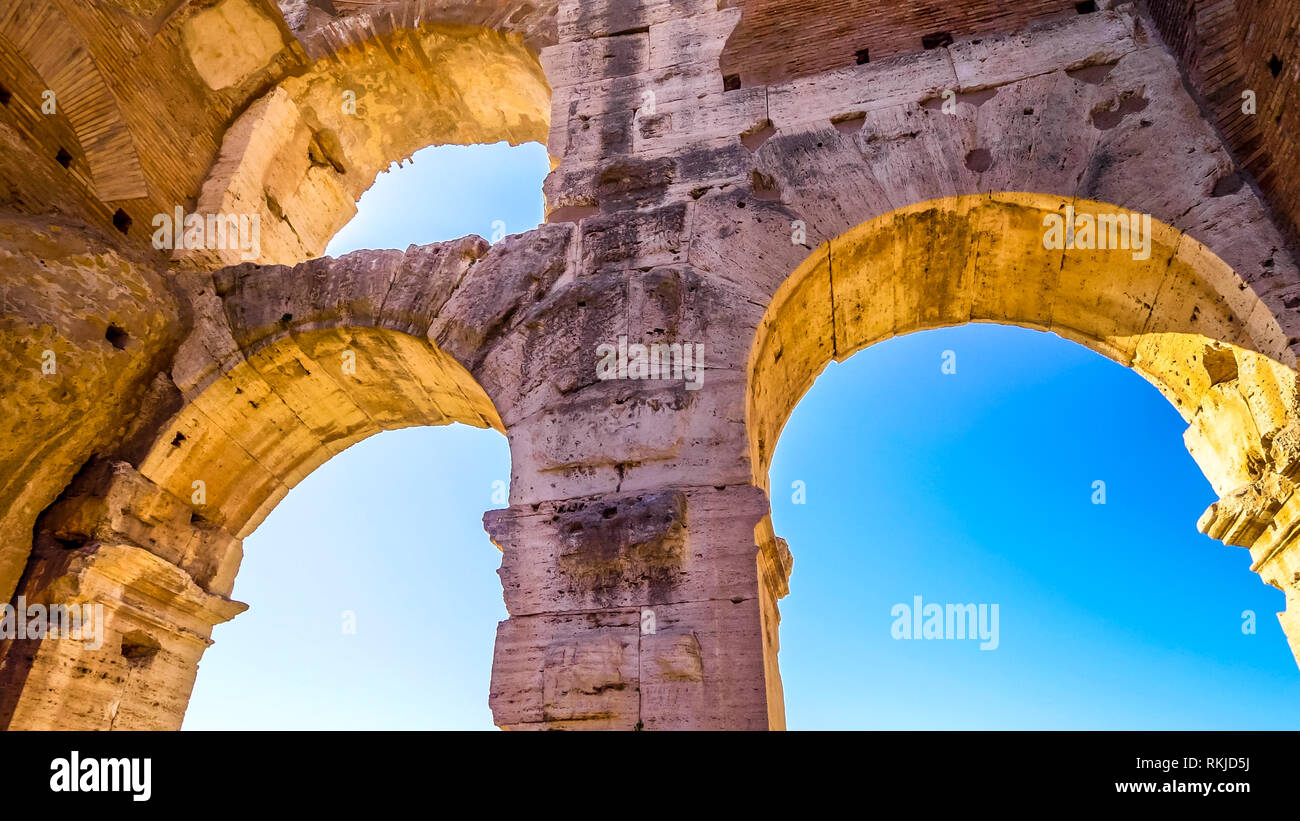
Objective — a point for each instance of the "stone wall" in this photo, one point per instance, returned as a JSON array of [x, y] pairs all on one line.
[[810, 211]]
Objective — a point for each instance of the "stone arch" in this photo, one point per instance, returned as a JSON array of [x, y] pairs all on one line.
[[458, 73], [301, 155], [683, 189], [284, 368], [980, 258], [1180, 317], [316, 358]]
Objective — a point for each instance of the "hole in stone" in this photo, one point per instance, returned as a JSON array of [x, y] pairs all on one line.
[[731, 82], [325, 150], [850, 123], [1275, 65], [138, 647], [1092, 75], [177, 439], [1227, 184], [756, 136], [979, 160], [1104, 118], [63, 158], [1133, 104], [1086, 7], [70, 543], [286, 318], [978, 98], [863, 56], [764, 187], [939, 39], [1220, 363], [116, 337], [5, 96], [121, 221], [609, 512], [572, 213]]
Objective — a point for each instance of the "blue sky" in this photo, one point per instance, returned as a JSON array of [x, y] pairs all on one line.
[[970, 487]]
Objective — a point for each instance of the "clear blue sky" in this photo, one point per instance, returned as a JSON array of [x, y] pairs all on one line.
[[972, 487]]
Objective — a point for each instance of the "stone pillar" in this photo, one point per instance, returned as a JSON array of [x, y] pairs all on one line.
[[152, 581], [632, 611], [639, 574]]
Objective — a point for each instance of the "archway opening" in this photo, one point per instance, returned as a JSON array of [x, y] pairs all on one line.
[[373, 595], [1006, 468], [372, 587], [1170, 310], [448, 191], [302, 155]]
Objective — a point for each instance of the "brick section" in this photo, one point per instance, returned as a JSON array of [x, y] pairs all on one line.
[[1227, 47], [781, 39]]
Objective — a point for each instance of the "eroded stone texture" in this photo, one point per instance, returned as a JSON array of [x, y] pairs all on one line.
[[85, 327], [777, 226]]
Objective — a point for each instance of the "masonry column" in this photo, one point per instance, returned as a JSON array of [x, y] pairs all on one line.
[[632, 611], [639, 568], [150, 583]]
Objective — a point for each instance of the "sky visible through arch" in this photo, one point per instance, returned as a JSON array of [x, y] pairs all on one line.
[[893, 479]]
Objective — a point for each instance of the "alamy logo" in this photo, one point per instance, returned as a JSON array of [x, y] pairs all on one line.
[[659, 360], [952, 621], [79, 622], [213, 232], [1100, 232], [77, 774]]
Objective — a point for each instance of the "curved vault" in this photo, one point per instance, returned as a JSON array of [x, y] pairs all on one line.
[[1181, 318], [286, 368], [301, 156], [309, 361], [219, 467]]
